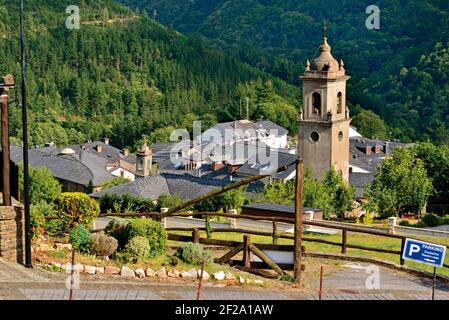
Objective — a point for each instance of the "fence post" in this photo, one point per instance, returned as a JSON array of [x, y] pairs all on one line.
[[344, 238], [275, 231], [392, 224], [246, 251], [164, 220], [233, 221], [196, 235], [309, 217], [402, 251]]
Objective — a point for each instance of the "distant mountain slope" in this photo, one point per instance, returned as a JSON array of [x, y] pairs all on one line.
[[122, 75], [279, 35]]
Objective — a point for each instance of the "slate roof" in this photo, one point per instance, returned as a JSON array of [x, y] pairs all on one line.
[[245, 127], [108, 152], [67, 167], [185, 185], [359, 158], [253, 166], [359, 181]]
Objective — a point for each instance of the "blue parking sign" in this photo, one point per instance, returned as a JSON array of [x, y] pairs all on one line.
[[424, 252]]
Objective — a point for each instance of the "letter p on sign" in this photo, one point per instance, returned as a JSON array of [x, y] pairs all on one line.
[[414, 249]]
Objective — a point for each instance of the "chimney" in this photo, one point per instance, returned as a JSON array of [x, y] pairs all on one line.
[[98, 148], [106, 141], [126, 152]]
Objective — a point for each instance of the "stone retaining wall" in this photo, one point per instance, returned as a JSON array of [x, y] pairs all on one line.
[[12, 235]]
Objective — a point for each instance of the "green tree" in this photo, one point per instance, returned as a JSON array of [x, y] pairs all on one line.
[[436, 163], [370, 125], [315, 194], [401, 184], [340, 192], [43, 187]]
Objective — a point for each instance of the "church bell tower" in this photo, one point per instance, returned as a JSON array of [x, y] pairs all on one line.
[[324, 119]]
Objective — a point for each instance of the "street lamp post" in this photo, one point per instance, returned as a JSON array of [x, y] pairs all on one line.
[[26, 191]]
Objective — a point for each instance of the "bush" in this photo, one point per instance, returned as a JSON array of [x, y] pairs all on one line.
[[367, 219], [418, 225], [404, 223], [43, 186], [193, 253], [126, 203], [446, 219], [77, 208], [138, 248], [166, 201], [174, 261], [37, 220], [152, 230], [117, 228], [103, 245], [80, 238], [432, 220], [39, 212]]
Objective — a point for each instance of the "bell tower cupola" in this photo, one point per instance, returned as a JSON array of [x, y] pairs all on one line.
[[324, 119]]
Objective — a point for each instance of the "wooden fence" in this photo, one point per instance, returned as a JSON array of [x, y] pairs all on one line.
[[246, 246]]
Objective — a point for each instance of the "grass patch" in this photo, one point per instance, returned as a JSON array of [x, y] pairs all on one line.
[[354, 238]]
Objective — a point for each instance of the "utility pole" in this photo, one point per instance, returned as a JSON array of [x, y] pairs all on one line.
[[26, 180], [247, 108]]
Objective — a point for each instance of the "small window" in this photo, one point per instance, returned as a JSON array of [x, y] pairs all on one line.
[[340, 136], [316, 103], [140, 165], [340, 103], [315, 137]]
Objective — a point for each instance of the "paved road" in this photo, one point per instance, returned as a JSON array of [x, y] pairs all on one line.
[[19, 283]]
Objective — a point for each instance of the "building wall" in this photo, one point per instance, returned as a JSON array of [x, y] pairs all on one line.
[[316, 155], [68, 186], [12, 233]]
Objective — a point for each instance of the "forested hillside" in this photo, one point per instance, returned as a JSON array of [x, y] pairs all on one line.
[[122, 75], [399, 71]]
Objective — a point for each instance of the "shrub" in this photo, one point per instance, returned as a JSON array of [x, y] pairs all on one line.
[[446, 219], [39, 212], [37, 220], [138, 248], [77, 208], [117, 228], [418, 225], [125, 203], [103, 245], [404, 223], [432, 220], [193, 253], [152, 230], [80, 238], [367, 219], [166, 201], [43, 186], [174, 261]]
